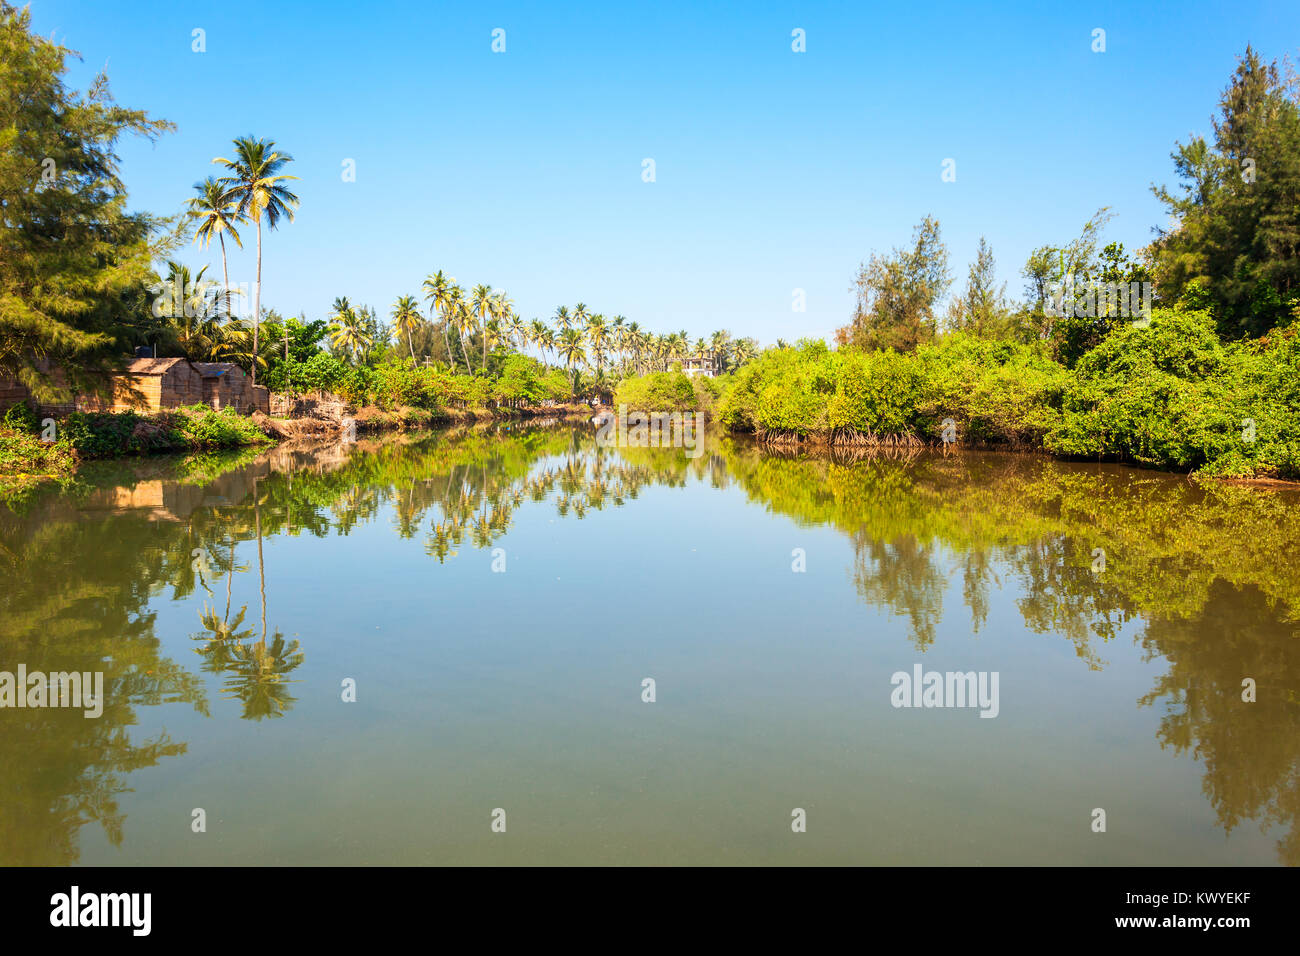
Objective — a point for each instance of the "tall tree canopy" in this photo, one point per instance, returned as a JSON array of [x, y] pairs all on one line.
[[982, 309], [897, 294], [73, 261], [1234, 240]]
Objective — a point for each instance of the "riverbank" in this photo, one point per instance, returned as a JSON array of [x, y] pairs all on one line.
[[1169, 396], [35, 451], [29, 461]]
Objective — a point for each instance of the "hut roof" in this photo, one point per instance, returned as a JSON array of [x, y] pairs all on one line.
[[214, 369], [152, 366]]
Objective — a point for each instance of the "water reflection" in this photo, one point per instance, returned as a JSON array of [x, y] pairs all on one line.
[[1210, 576]]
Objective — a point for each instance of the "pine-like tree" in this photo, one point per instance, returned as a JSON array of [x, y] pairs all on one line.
[[897, 294], [1234, 240], [74, 263]]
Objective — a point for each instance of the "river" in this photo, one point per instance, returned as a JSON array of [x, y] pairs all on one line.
[[510, 645]]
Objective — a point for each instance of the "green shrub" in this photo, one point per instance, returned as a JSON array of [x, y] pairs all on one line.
[[658, 392], [102, 434], [198, 427], [109, 434], [23, 418], [1171, 395], [26, 462], [1168, 395], [321, 373], [995, 392]]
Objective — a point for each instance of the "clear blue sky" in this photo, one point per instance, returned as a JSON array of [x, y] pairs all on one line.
[[775, 170]]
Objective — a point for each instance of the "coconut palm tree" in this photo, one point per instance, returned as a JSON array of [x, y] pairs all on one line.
[[493, 336], [681, 344], [562, 317], [663, 349], [570, 348], [516, 330], [256, 186], [216, 216], [234, 343], [406, 319], [635, 344], [188, 307], [598, 335], [481, 305], [501, 308], [537, 333], [719, 346], [618, 333], [348, 333], [437, 290], [375, 332], [463, 316], [546, 339]]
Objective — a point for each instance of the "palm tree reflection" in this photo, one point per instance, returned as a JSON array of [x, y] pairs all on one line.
[[257, 671]]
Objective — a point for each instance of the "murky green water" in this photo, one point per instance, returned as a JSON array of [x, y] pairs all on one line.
[[499, 597]]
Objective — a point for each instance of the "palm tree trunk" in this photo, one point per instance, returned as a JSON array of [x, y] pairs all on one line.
[[225, 274], [261, 568], [451, 357], [257, 300], [464, 354], [230, 575]]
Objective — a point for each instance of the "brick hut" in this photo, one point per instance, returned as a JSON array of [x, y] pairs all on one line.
[[151, 385], [157, 384], [226, 385]]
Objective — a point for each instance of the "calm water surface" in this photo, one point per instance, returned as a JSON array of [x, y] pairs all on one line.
[[520, 688]]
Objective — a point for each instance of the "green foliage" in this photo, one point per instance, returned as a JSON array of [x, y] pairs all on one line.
[[22, 417], [555, 385], [520, 381], [73, 260], [26, 462], [304, 347], [320, 373], [897, 293], [1172, 395], [199, 427], [109, 434], [994, 391], [101, 434], [658, 392], [1168, 395], [982, 308], [1237, 247]]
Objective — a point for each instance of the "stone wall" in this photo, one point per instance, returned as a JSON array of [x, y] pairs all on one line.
[[180, 384], [11, 393], [226, 385]]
